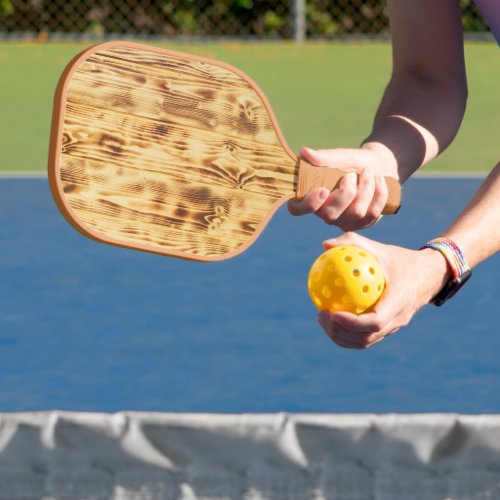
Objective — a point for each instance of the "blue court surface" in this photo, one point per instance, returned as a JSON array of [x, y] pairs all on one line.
[[90, 327]]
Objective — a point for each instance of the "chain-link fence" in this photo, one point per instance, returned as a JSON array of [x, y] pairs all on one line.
[[206, 18]]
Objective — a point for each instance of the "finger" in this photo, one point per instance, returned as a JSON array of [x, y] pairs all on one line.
[[380, 197], [342, 340], [356, 215], [352, 340], [311, 203], [364, 196], [343, 343], [357, 225], [348, 238], [349, 338], [339, 199], [375, 209], [340, 335], [374, 341], [368, 205], [373, 325], [362, 324], [342, 321], [361, 340]]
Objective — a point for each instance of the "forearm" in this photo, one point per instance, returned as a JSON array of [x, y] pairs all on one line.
[[477, 230], [424, 102], [416, 121]]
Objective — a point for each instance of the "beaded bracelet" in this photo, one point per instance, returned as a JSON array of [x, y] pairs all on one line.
[[459, 267], [452, 254]]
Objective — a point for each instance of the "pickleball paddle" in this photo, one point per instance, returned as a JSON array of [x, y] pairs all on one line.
[[172, 153]]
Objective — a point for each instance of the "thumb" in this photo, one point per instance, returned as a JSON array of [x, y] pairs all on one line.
[[348, 238], [338, 158]]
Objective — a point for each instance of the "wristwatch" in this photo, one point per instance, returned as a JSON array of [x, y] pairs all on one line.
[[460, 270]]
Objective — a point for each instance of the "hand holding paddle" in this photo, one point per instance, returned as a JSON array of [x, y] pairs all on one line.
[[361, 197]]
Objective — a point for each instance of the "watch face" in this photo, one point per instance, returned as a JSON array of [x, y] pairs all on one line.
[[451, 288]]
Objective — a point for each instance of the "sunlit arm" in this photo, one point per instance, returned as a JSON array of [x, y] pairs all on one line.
[[424, 102], [477, 230]]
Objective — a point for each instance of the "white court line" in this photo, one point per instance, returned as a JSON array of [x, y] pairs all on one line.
[[454, 174], [39, 174]]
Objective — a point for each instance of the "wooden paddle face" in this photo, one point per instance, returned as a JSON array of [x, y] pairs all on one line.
[[166, 152]]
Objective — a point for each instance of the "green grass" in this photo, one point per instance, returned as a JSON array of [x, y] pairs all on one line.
[[324, 95]]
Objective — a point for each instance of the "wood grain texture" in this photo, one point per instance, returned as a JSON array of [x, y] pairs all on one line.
[[166, 153]]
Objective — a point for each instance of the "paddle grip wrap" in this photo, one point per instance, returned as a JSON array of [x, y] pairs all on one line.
[[311, 177]]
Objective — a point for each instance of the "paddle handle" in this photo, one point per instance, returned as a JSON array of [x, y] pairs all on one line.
[[311, 177]]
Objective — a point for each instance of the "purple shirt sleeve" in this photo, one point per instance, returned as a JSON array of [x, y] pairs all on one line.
[[490, 9]]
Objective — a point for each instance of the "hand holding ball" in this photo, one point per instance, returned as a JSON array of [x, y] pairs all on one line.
[[346, 278]]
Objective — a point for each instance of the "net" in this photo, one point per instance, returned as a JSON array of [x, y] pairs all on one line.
[[159, 456]]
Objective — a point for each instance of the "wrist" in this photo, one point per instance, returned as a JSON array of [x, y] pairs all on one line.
[[388, 165], [437, 273]]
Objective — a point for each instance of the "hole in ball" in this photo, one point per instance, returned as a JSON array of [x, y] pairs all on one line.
[[346, 299], [317, 300]]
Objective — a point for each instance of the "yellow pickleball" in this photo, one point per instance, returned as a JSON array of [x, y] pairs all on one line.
[[346, 278]]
